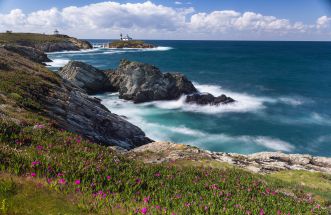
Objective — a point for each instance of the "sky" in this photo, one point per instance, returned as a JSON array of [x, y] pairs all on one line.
[[172, 19]]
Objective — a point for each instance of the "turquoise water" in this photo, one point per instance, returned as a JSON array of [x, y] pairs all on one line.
[[283, 91]]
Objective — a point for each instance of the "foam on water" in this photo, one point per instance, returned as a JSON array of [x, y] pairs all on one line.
[[138, 114], [57, 63], [244, 102]]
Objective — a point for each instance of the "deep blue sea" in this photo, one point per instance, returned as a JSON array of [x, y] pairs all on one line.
[[283, 93]]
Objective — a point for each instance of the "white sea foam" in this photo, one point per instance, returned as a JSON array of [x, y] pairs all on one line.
[[244, 102], [57, 63], [138, 115], [294, 101], [82, 51]]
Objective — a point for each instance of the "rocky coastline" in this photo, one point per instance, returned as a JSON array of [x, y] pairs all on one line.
[[65, 100]]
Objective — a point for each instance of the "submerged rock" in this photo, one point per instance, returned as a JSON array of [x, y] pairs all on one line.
[[85, 76], [142, 82], [208, 99]]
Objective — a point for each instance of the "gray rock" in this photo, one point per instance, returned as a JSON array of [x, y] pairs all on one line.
[[143, 82], [263, 162], [85, 76], [208, 99], [29, 52]]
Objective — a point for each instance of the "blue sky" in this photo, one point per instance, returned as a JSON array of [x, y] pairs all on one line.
[[306, 12]]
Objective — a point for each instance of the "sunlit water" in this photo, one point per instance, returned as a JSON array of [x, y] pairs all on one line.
[[283, 93]]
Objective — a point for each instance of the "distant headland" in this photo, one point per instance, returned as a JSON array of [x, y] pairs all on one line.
[[128, 42]]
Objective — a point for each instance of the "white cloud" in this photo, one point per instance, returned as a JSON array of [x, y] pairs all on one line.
[[150, 20], [323, 22]]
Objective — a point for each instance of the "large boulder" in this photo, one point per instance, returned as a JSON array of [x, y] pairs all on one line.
[[85, 76], [28, 52], [142, 82], [208, 99]]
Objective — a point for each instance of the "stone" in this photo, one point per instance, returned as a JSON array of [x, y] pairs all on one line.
[[142, 82], [208, 99], [85, 76]]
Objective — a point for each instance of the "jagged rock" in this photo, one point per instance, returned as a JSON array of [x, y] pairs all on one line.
[[142, 82], [29, 52], [86, 77], [208, 99], [71, 108]]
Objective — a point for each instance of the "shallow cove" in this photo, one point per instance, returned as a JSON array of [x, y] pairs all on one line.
[[283, 91]]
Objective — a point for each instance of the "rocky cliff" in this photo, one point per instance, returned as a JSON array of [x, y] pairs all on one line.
[[44, 43], [28, 89]]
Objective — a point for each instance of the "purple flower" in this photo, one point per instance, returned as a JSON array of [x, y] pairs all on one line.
[[108, 177], [77, 182], [144, 210], [262, 212], [62, 181], [33, 174], [35, 163], [146, 199], [38, 126]]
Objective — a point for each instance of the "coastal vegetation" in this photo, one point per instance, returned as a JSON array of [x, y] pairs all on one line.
[[99, 180]]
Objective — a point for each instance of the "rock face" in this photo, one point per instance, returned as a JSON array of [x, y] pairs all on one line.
[[75, 111], [143, 82], [29, 52], [86, 77], [67, 105], [264, 162], [208, 99]]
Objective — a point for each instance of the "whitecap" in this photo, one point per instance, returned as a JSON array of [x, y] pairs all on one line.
[[57, 63]]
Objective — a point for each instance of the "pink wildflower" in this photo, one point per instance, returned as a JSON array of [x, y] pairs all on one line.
[[33, 174], [108, 177], [62, 181], [144, 210], [39, 147], [262, 212], [157, 174], [77, 182], [146, 199], [35, 163]]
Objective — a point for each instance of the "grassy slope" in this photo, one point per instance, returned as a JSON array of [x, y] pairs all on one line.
[[32, 153], [28, 37]]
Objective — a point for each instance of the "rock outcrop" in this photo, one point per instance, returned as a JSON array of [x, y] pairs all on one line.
[[29, 52], [208, 99], [133, 44], [43, 42], [264, 162], [142, 82], [64, 103], [85, 76]]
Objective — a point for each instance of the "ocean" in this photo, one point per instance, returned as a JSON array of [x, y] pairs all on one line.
[[283, 93]]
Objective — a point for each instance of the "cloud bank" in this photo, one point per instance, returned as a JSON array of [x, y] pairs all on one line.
[[149, 20]]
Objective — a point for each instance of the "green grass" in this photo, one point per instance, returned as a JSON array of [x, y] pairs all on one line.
[[28, 37], [21, 195], [318, 184], [63, 158]]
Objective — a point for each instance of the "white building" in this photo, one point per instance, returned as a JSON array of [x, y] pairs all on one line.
[[126, 38]]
